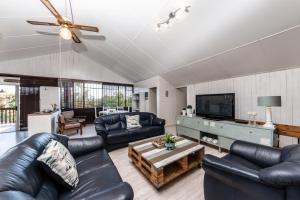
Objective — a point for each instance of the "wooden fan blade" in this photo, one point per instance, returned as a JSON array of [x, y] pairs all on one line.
[[94, 37], [85, 28], [47, 33], [42, 23], [79, 48], [75, 37], [52, 9]]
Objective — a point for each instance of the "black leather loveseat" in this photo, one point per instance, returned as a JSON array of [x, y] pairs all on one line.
[[22, 177], [253, 172], [113, 129]]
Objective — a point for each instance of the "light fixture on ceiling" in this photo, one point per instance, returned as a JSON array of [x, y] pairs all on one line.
[[175, 15], [65, 33], [67, 26]]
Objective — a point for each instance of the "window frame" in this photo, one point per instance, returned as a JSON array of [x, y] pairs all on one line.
[[68, 85]]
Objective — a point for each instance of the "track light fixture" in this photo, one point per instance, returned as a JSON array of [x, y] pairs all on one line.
[[173, 16]]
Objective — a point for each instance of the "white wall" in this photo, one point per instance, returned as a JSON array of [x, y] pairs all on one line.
[[166, 106], [282, 83], [73, 66]]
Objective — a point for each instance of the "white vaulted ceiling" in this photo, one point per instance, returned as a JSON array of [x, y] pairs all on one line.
[[216, 40]]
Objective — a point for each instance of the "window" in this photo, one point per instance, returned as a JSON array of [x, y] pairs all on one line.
[[110, 95], [93, 95], [78, 95], [129, 91], [66, 88], [87, 94]]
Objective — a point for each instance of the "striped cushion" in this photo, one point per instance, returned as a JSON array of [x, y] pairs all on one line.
[[59, 164]]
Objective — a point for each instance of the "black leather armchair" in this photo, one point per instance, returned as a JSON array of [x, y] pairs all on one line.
[[113, 129], [22, 177], [253, 172]]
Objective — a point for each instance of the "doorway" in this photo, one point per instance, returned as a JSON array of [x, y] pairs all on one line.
[[153, 100], [181, 99], [9, 100]]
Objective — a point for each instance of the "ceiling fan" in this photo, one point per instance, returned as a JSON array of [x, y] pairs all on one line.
[[67, 26]]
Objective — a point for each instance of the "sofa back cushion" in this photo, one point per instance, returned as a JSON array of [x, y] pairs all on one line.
[[19, 169], [290, 153], [118, 121], [146, 119], [113, 122]]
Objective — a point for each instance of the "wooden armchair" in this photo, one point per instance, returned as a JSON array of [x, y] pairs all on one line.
[[64, 125], [70, 117]]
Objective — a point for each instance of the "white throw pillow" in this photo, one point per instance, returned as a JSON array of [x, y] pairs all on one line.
[[133, 121], [59, 164]]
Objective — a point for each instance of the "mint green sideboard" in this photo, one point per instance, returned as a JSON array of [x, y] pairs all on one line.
[[225, 131]]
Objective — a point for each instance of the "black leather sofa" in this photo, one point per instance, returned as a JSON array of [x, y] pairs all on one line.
[[113, 129], [22, 177], [253, 172]]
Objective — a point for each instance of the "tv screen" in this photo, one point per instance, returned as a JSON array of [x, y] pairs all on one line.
[[216, 106]]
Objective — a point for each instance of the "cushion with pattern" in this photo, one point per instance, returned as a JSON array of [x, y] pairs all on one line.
[[133, 121], [59, 164]]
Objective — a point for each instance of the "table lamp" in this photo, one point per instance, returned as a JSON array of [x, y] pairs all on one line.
[[268, 102]]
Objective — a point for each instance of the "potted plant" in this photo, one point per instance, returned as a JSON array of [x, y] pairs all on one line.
[[170, 141], [183, 111], [189, 110]]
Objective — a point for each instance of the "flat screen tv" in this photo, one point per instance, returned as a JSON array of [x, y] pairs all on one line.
[[216, 106]]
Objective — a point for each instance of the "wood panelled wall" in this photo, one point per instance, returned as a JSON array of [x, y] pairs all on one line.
[[284, 83]]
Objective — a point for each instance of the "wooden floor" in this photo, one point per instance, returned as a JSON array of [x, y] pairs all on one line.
[[187, 187]]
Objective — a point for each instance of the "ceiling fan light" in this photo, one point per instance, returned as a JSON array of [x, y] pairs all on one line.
[[65, 33]]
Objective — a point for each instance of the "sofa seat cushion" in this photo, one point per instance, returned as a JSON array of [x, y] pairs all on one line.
[[49, 190], [93, 180], [92, 161], [145, 132], [241, 162], [72, 125], [118, 136]]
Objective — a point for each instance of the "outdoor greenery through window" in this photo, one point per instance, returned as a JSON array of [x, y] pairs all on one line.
[[84, 94]]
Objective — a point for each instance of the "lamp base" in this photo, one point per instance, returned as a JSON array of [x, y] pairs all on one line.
[[269, 125]]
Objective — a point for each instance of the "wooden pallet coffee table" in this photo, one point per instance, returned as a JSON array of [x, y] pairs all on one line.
[[161, 166]]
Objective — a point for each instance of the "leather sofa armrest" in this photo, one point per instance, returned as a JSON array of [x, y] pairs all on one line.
[[215, 164], [15, 195], [261, 155], [101, 130], [122, 191], [283, 174], [159, 122], [81, 146]]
